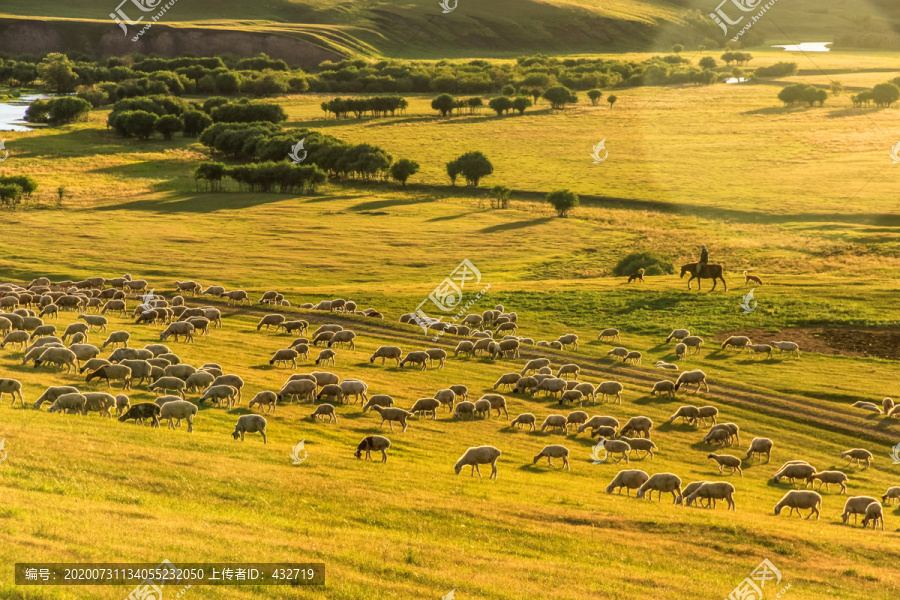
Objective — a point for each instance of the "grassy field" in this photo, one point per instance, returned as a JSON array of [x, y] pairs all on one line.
[[803, 198]]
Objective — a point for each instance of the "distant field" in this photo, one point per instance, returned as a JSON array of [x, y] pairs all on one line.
[[804, 198]]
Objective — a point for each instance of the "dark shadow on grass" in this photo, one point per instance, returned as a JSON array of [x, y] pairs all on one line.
[[377, 204], [516, 225]]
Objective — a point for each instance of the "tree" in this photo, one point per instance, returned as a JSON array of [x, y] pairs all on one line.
[[136, 123], [471, 165], [56, 71], [10, 194], [508, 90], [520, 103], [677, 48], [474, 104], [559, 96], [168, 125], [612, 100], [444, 104], [595, 96], [500, 104], [563, 201], [212, 173], [501, 195], [837, 88], [403, 169], [708, 62], [536, 94], [195, 122], [885, 94], [67, 109], [537, 80]]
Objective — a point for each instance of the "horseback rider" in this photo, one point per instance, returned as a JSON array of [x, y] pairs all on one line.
[[704, 258]]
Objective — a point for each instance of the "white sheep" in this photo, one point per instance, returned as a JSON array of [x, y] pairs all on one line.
[[464, 408], [609, 333], [265, 398], [391, 414], [326, 411], [892, 493], [856, 505], [613, 447], [678, 334], [529, 419], [760, 446], [829, 478], [116, 338], [13, 387], [712, 491], [479, 455], [726, 460], [535, 364], [663, 387], [250, 424], [630, 479], [178, 410], [857, 454], [425, 406], [693, 344], [610, 388], [737, 341], [569, 369], [385, 352], [554, 451], [874, 514], [661, 482], [695, 377], [639, 425], [787, 347], [326, 356], [373, 442]]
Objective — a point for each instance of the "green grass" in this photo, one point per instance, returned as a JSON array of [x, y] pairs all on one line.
[[92, 489]]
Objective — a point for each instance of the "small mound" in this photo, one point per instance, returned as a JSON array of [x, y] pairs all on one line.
[[652, 263]]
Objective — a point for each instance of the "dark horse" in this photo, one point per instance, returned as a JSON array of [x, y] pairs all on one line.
[[708, 271]]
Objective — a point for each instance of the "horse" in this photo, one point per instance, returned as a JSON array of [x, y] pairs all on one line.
[[708, 271]]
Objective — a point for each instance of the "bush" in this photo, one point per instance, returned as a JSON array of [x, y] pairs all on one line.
[[289, 178], [652, 263], [885, 94], [802, 93], [563, 201], [168, 125], [58, 110], [779, 69], [501, 196], [559, 96], [248, 112], [708, 62], [135, 123], [10, 194], [57, 73], [444, 104], [28, 185], [520, 103], [471, 165], [595, 96], [195, 122], [92, 94], [212, 173], [500, 105], [403, 169]]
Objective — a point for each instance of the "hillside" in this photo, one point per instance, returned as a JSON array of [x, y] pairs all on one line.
[[420, 29]]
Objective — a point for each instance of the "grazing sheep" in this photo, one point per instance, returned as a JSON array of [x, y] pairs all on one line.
[[892, 493], [438, 354], [391, 414], [497, 403], [760, 446], [640, 445], [760, 349], [569, 369], [328, 328], [567, 339], [265, 398], [425, 406], [603, 431], [479, 455], [787, 347], [325, 356], [483, 407], [332, 391], [529, 419], [857, 454], [143, 410], [179, 328], [114, 306], [373, 442], [551, 386], [615, 447], [689, 414], [692, 342], [795, 471], [708, 412], [594, 422], [74, 328], [737, 341], [695, 377], [62, 357], [385, 352], [618, 352], [465, 408], [141, 371], [572, 396], [343, 336], [250, 424], [661, 482], [888, 405], [17, 337], [270, 321], [446, 397], [730, 431], [181, 371], [94, 321], [690, 489], [874, 514], [116, 338], [678, 334], [829, 478], [508, 348], [631, 479], [634, 356], [639, 425], [856, 505], [461, 391], [610, 388], [663, 387], [237, 297], [556, 345], [13, 387], [609, 333], [178, 410], [726, 460], [554, 451], [464, 347], [355, 388], [303, 388], [326, 411], [417, 357], [168, 384], [71, 403], [554, 421], [199, 381], [157, 349], [123, 403], [712, 491], [52, 393], [535, 365], [680, 350]]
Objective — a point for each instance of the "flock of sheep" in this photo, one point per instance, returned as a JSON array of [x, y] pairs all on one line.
[[23, 308]]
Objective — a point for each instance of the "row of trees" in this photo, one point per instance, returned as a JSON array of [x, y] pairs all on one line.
[[379, 106], [802, 93], [266, 177], [883, 95], [14, 187], [57, 111]]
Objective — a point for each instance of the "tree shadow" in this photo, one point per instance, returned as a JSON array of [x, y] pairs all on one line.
[[516, 225]]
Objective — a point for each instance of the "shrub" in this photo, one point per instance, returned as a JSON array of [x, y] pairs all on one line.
[[559, 96], [802, 93], [500, 105], [444, 104], [195, 122], [212, 173], [28, 185], [520, 103], [92, 94], [708, 62], [471, 165], [563, 201], [168, 125], [501, 196], [612, 100], [248, 112], [58, 110], [779, 69], [652, 263], [595, 96], [10, 194], [885, 94], [57, 73], [403, 169], [136, 123]]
